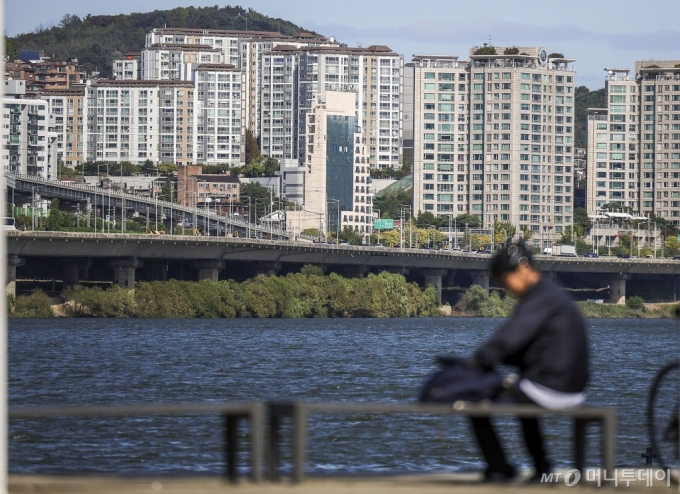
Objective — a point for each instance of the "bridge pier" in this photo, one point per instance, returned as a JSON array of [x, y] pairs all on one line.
[[13, 261], [433, 277], [481, 278], [124, 271], [617, 289], [158, 271], [269, 268], [208, 270], [74, 269], [354, 271]]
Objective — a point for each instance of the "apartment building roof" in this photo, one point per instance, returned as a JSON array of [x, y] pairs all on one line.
[[216, 66], [183, 47], [217, 178], [345, 50], [79, 91], [142, 83], [234, 33]]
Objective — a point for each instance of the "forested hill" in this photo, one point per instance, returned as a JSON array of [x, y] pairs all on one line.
[[585, 99], [96, 40]]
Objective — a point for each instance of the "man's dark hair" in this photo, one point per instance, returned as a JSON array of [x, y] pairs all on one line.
[[510, 257]]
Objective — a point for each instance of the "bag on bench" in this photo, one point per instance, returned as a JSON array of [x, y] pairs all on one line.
[[458, 381]]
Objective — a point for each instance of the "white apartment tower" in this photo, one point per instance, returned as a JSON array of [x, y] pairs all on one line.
[[294, 77], [140, 120], [634, 143], [29, 146], [219, 113], [493, 137]]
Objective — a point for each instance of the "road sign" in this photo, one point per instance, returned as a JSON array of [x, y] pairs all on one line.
[[387, 224]]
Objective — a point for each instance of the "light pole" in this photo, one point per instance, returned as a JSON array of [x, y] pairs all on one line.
[[376, 209], [102, 203], [638, 234]]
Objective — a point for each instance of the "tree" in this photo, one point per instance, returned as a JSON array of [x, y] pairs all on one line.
[[11, 50], [635, 303], [167, 169], [470, 220], [390, 203], [167, 192], [582, 219], [262, 166], [527, 233], [354, 238], [252, 147], [255, 191], [501, 228], [54, 217], [672, 247], [427, 218], [148, 168], [95, 40], [585, 98]]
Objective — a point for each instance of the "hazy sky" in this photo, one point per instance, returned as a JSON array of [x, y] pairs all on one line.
[[599, 33]]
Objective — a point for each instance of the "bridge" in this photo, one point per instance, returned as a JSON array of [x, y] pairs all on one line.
[[208, 256], [121, 204]]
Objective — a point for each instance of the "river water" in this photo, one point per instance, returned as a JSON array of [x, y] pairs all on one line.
[[99, 361]]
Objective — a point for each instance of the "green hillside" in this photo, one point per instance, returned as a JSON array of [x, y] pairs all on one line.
[[585, 99], [97, 39]]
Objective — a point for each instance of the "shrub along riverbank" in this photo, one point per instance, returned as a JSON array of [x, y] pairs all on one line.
[[476, 302], [309, 293]]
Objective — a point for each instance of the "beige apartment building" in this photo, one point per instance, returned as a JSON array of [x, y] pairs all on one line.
[[337, 169], [493, 137], [67, 120], [634, 143]]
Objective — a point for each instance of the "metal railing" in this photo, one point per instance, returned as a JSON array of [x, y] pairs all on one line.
[[230, 412], [118, 194], [299, 412]]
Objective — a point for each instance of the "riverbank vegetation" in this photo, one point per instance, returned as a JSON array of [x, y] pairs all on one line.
[[475, 302], [309, 293]]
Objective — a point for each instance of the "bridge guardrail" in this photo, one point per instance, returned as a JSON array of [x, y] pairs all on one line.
[[155, 202]]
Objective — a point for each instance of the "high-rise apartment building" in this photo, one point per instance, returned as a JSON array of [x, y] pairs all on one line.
[[219, 114], [337, 172], [28, 144], [634, 143], [293, 78], [162, 61], [243, 49], [493, 137], [67, 121], [140, 120]]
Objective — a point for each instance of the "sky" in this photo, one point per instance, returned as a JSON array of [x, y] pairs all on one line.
[[598, 33]]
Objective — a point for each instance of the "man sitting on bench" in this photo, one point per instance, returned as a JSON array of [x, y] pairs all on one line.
[[546, 339]]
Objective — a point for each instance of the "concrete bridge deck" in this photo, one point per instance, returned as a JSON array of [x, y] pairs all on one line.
[[67, 244], [399, 484]]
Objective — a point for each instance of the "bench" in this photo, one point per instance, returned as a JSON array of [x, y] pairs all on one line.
[[231, 414], [299, 412]]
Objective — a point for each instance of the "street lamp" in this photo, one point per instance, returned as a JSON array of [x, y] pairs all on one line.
[[102, 203], [376, 209]]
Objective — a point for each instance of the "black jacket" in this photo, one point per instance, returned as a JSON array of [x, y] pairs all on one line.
[[545, 338]]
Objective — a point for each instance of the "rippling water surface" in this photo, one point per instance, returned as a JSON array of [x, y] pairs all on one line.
[[63, 361]]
